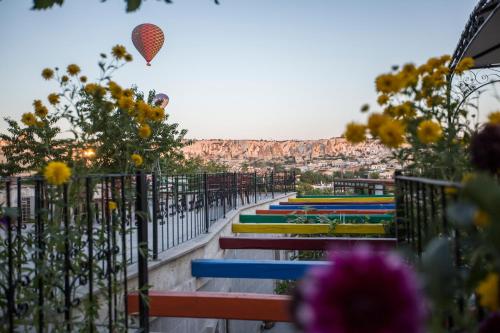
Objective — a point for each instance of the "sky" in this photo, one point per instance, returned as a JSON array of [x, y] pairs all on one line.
[[246, 69]]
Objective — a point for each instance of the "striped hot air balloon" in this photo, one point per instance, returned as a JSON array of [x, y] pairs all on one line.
[[148, 40]]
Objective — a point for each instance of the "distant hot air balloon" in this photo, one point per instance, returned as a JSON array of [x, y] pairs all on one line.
[[161, 100], [148, 40]]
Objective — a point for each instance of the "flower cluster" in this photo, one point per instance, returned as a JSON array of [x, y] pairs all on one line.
[[422, 88], [361, 291], [419, 113]]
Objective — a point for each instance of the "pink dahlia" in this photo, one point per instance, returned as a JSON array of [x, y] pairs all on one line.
[[491, 324], [363, 291]]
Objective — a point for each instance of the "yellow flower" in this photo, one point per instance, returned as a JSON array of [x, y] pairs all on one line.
[[144, 131], [404, 110], [425, 68], [382, 99], [83, 79], [128, 57], [481, 219], [137, 159], [494, 118], [42, 111], [355, 133], [375, 120], [463, 65], [112, 205], [119, 51], [156, 114], [53, 99], [128, 93], [429, 131], [443, 70], [365, 108], [392, 133], [73, 69], [37, 104], [467, 177], [28, 119], [433, 62], [47, 73], [57, 173], [387, 83], [488, 292], [115, 90], [448, 190], [64, 79], [434, 101], [444, 59], [95, 90], [125, 103]]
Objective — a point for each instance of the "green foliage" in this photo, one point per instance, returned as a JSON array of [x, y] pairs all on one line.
[[104, 122], [132, 5], [476, 219]]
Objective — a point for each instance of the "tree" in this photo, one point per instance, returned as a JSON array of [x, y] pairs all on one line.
[[113, 129], [132, 5]]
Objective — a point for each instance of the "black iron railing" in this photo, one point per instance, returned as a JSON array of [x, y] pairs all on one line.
[[421, 216], [66, 251], [421, 205], [362, 186]]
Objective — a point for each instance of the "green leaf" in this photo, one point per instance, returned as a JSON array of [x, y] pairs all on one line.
[[133, 5], [45, 4]]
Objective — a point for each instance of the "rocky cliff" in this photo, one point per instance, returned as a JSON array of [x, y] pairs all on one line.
[[298, 150]]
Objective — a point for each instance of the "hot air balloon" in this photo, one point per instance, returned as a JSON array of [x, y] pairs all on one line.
[[161, 100], [148, 40]]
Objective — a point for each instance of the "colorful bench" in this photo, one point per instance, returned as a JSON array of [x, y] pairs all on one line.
[[321, 211], [240, 306], [252, 269], [303, 243], [308, 229], [315, 218]]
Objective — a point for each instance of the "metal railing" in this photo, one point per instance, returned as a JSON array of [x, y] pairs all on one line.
[[65, 250], [421, 216], [363, 186]]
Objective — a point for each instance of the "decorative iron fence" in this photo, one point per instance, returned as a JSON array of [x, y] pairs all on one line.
[[65, 250], [421, 215]]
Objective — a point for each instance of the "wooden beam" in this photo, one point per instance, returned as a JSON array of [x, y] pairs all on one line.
[[303, 243], [341, 200], [287, 205], [323, 211], [308, 229], [219, 305], [253, 269], [345, 196], [315, 218]]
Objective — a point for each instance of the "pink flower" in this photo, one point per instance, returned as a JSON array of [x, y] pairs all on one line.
[[363, 291], [491, 324]]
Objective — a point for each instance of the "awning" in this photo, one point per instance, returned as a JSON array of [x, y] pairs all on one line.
[[481, 37]]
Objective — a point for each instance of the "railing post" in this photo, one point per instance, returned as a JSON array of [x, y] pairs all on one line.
[[235, 190], [10, 268], [141, 212], [154, 189], [272, 184], [255, 185], [398, 202], [205, 202], [224, 193]]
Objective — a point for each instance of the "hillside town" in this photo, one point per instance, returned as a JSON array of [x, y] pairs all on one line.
[[327, 156]]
